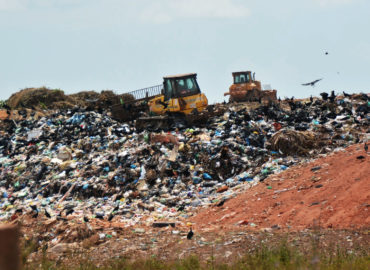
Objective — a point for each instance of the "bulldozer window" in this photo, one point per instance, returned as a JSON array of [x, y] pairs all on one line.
[[168, 90], [241, 78], [186, 87]]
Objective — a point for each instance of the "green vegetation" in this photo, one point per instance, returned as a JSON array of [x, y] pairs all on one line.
[[2, 103], [284, 256]]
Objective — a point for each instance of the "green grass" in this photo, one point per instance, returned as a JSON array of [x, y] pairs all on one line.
[[284, 256]]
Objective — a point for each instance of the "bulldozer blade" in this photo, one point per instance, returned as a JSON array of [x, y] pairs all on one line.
[[153, 123]]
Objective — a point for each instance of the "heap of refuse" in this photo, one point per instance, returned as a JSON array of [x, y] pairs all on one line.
[[82, 163]]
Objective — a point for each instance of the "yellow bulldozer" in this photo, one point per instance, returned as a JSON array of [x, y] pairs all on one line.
[[177, 101], [245, 88]]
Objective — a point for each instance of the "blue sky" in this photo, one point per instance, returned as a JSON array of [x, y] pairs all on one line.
[[125, 45]]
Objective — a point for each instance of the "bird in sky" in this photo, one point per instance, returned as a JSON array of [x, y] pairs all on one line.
[[312, 83]]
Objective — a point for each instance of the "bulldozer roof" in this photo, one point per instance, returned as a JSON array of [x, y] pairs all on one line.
[[180, 76], [240, 72]]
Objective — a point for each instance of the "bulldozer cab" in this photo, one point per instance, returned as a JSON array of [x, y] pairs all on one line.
[[245, 88], [180, 86], [243, 77], [180, 94]]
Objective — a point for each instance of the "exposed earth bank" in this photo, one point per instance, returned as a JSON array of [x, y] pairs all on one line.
[[330, 192]]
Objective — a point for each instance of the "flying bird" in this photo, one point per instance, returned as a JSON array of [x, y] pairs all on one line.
[[326, 53], [312, 83]]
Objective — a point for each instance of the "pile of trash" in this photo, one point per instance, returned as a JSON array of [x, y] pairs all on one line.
[[84, 164], [44, 98]]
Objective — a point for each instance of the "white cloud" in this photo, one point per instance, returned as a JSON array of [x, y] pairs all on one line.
[[164, 11]]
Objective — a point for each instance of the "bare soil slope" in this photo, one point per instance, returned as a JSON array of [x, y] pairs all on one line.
[[336, 194]]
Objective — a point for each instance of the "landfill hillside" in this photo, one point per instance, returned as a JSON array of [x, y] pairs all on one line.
[[329, 192], [71, 175]]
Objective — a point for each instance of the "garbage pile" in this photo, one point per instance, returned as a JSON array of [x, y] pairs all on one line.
[[47, 99], [84, 164]]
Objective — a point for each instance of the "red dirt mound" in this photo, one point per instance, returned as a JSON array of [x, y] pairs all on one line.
[[336, 194]]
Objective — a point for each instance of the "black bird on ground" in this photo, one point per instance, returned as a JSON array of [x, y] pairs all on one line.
[[365, 97], [324, 96], [346, 95], [86, 219], [111, 216], [35, 211], [99, 215], [221, 203], [366, 147], [312, 83], [190, 234], [69, 211], [181, 208], [47, 214], [332, 96]]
